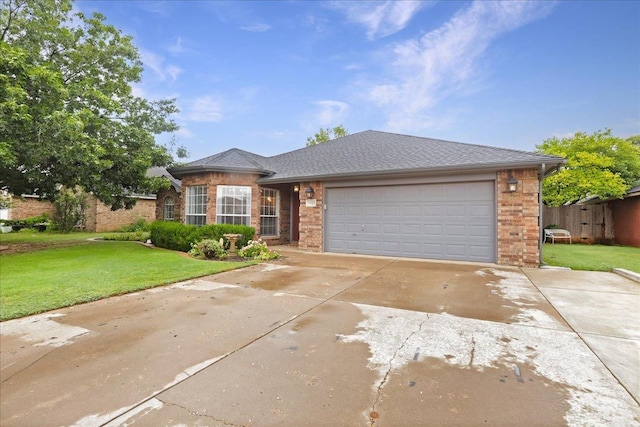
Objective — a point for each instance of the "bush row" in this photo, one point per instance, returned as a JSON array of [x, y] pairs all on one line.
[[179, 237], [28, 222]]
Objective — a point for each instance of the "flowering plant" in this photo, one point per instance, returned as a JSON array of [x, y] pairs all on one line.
[[257, 249], [208, 248]]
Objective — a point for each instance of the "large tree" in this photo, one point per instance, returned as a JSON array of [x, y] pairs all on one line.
[[599, 164], [68, 115], [324, 135]]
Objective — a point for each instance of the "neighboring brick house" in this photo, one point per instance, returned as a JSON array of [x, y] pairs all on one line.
[[626, 218], [99, 216], [624, 215], [379, 193]]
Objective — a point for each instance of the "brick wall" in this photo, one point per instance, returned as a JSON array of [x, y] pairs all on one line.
[[101, 218], [311, 218], [518, 212], [626, 220], [29, 206], [212, 180]]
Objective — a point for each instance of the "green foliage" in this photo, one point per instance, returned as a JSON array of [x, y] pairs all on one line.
[[129, 236], [5, 201], [324, 135], [140, 225], [257, 249], [209, 249], [68, 115], [71, 209], [597, 165], [176, 236]]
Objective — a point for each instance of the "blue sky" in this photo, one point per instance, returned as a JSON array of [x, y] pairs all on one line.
[[263, 76]]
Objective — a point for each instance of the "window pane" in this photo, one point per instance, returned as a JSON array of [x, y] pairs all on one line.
[[169, 209], [196, 205], [269, 203], [233, 205]]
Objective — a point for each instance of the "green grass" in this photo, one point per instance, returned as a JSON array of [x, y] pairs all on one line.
[[52, 278], [592, 257]]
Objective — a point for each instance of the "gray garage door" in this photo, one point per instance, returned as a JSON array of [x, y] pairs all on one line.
[[454, 221]]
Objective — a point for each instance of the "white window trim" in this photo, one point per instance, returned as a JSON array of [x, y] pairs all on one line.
[[223, 191], [189, 206], [276, 195]]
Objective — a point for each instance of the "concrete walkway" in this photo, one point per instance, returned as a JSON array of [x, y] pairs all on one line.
[[604, 310], [318, 339]]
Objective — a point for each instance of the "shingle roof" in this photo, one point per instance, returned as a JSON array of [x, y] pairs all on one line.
[[370, 153], [160, 171], [230, 160]]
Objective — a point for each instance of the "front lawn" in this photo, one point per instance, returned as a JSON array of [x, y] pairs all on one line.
[[592, 257], [52, 278]]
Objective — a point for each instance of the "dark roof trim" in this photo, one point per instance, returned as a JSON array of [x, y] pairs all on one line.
[[180, 171]]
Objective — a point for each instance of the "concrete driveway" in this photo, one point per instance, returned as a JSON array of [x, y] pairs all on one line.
[[330, 340]]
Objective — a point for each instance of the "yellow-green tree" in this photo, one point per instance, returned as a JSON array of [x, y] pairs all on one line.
[[599, 164], [324, 135]]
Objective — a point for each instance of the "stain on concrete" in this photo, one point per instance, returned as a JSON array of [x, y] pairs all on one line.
[[593, 395], [41, 330], [445, 396], [469, 291]]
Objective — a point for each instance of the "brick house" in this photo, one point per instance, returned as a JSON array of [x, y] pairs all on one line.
[[99, 216], [626, 218], [379, 193]]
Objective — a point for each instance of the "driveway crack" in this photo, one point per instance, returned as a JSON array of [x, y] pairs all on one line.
[[373, 415], [473, 350], [197, 414]]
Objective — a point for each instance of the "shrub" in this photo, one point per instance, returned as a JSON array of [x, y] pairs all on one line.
[[257, 249], [140, 225], [208, 248], [134, 236], [179, 237], [71, 209], [31, 221]]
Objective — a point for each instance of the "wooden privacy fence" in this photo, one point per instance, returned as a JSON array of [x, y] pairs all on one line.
[[592, 223]]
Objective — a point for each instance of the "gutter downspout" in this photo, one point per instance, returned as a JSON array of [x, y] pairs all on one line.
[[543, 170]]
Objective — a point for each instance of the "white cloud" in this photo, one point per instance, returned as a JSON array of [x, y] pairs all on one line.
[[331, 112], [381, 19], [184, 132], [256, 28], [156, 64], [445, 61], [204, 109], [176, 47]]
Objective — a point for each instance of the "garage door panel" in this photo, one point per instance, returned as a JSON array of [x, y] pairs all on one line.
[[456, 231], [432, 230], [443, 221], [411, 229], [391, 228], [456, 250], [479, 230]]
